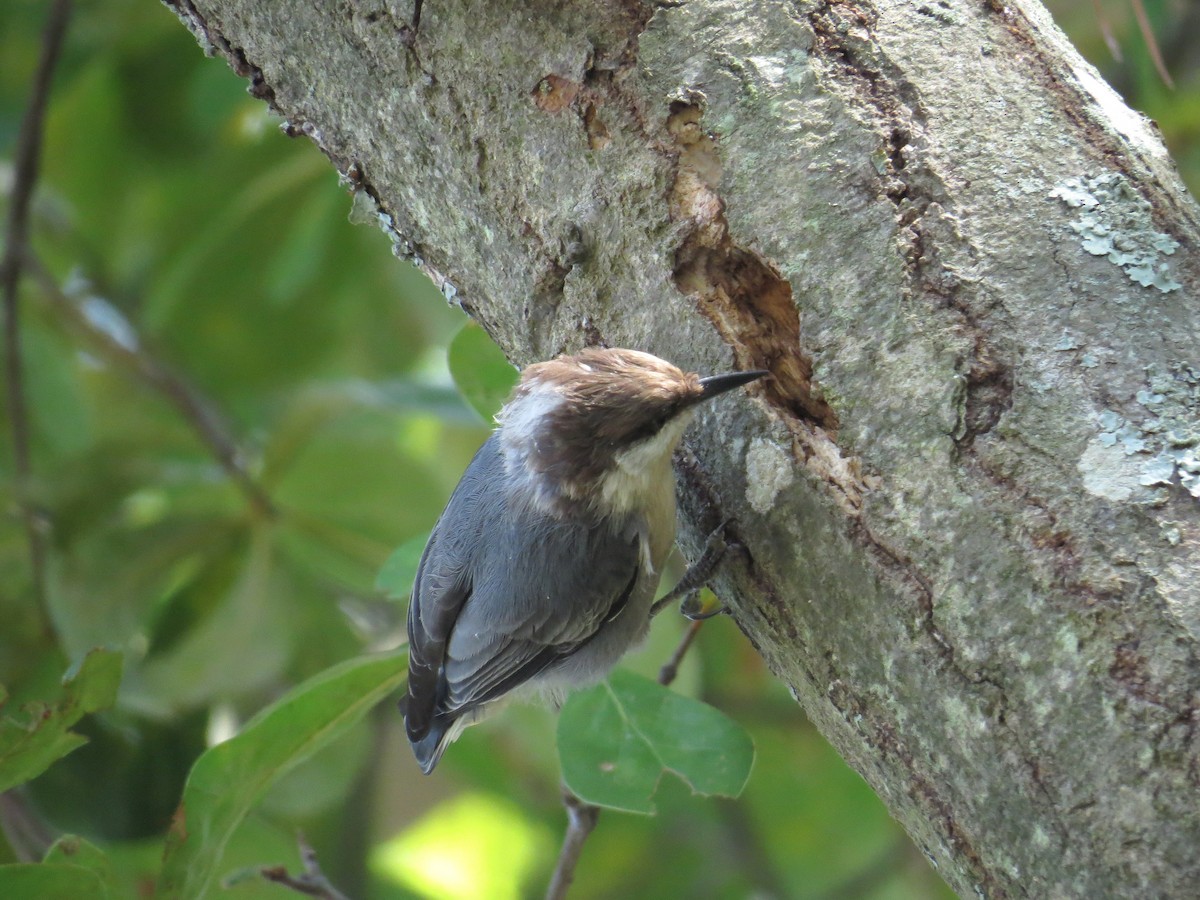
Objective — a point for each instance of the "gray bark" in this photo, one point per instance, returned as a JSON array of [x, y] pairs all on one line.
[[965, 493]]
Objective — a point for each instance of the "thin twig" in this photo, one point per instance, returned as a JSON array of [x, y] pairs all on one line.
[[581, 816], [670, 668], [354, 837], [1110, 40], [1139, 13], [581, 822], [28, 835], [16, 238], [195, 409], [312, 882]]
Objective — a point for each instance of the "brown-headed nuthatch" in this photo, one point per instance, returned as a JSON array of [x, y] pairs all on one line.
[[542, 569]]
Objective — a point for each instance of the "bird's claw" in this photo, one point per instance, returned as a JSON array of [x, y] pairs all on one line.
[[695, 609]]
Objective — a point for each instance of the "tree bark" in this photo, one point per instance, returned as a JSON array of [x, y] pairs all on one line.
[[969, 492]]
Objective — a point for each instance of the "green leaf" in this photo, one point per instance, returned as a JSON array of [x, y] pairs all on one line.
[[615, 740], [324, 781], [30, 745], [227, 780], [50, 882], [480, 370], [241, 646], [72, 850], [398, 573]]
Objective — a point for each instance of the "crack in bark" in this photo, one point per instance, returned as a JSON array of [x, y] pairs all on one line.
[[945, 650], [740, 292], [1023, 748], [750, 304], [1129, 668], [753, 308], [843, 37], [1057, 546], [919, 586]]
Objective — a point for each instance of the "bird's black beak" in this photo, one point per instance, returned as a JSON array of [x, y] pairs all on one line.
[[719, 384]]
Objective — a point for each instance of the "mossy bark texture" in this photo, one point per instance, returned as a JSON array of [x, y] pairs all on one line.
[[969, 493]]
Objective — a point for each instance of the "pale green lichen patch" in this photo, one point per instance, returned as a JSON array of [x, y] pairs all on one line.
[[1114, 222], [1068, 640], [1107, 473], [1173, 399], [1116, 430], [768, 471], [1066, 342], [1165, 440]]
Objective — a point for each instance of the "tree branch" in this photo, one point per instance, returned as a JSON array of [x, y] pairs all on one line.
[[25, 172], [746, 845], [197, 410], [311, 883], [581, 822], [27, 833], [870, 878]]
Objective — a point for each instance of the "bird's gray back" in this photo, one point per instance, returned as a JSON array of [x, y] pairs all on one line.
[[506, 590]]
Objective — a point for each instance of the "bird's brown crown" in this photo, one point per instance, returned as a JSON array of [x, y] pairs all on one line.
[[572, 415]]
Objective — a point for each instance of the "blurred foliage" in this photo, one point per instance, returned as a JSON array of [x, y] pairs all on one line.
[[206, 290], [1106, 32], [34, 740], [227, 780]]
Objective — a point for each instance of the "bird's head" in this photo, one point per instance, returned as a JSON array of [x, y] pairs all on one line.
[[594, 426]]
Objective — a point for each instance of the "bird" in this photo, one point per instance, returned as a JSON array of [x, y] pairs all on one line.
[[541, 571]]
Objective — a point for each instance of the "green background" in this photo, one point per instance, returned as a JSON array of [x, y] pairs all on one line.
[[183, 226]]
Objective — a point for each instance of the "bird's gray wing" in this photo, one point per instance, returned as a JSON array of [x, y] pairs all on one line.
[[444, 582], [503, 593], [548, 589]]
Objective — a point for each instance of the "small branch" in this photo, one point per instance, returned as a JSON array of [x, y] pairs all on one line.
[[582, 817], [27, 833], [197, 410], [358, 812], [1110, 40], [670, 668], [312, 882], [581, 822], [16, 238], [1139, 13]]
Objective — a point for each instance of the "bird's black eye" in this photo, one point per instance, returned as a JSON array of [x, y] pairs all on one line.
[[653, 426]]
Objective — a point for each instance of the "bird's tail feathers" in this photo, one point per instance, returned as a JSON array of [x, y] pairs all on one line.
[[442, 733]]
